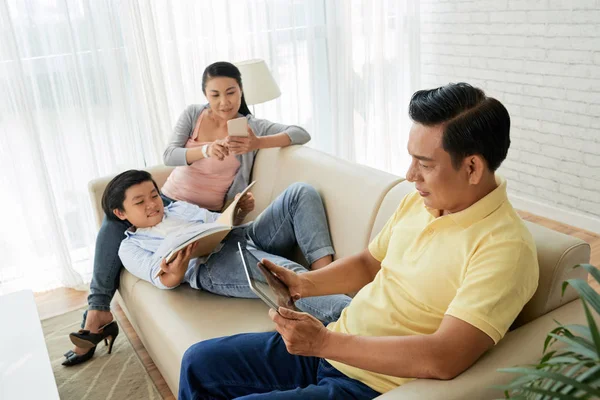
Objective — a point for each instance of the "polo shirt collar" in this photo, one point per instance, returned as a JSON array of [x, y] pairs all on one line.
[[480, 209]]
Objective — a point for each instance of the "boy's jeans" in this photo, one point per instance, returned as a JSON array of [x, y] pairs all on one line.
[[297, 216]]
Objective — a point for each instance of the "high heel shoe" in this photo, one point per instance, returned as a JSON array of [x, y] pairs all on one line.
[[87, 340], [74, 358]]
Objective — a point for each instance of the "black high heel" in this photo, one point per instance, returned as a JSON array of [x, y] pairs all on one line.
[[74, 358], [87, 340]]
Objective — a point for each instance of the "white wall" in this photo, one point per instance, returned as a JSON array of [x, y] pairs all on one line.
[[541, 58]]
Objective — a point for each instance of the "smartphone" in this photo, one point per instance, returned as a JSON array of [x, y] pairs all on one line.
[[238, 127]]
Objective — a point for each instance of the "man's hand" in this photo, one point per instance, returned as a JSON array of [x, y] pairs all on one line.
[[242, 145], [219, 149], [292, 280], [302, 333]]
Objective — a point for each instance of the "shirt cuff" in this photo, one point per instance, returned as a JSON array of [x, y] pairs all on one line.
[[477, 322]]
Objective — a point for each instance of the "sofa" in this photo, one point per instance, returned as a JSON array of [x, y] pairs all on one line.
[[358, 201]]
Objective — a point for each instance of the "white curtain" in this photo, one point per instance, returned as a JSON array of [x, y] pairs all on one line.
[[90, 88]]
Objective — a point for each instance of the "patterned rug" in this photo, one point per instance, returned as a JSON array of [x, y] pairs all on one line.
[[119, 375]]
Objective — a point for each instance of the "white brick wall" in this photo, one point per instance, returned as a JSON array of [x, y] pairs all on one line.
[[541, 58]]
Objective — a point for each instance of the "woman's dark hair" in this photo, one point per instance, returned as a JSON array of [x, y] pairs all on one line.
[[114, 194], [224, 68], [474, 123]]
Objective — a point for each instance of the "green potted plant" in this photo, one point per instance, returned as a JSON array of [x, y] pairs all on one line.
[[570, 371]]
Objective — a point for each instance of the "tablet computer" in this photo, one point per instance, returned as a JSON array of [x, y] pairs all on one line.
[[274, 292]]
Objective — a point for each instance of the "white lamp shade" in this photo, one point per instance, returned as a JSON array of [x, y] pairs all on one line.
[[259, 85]]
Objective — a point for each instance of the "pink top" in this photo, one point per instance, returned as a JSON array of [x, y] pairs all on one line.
[[204, 182]]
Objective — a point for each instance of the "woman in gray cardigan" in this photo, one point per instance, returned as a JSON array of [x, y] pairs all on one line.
[[200, 133]]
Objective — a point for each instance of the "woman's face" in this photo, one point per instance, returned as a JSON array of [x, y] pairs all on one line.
[[224, 97]]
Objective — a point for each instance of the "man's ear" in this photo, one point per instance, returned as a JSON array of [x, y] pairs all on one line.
[[120, 214], [476, 166]]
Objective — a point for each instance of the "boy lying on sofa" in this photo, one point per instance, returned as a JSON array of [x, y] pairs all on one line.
[[297, 216]]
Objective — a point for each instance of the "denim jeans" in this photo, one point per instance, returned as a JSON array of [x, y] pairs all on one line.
[[257, 366], [296, 217]]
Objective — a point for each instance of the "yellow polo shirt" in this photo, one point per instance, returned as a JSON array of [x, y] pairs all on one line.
[[478, 265]]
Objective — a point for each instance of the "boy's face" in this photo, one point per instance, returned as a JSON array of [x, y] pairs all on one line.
[[142, 206]]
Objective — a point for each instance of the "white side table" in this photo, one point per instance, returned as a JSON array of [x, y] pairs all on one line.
[[25, 371]]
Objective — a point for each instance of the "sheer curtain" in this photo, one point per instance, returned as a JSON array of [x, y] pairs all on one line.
[[90, 88]]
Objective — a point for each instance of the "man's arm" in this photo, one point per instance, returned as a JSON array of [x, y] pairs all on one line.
[[453, 348], [346, 275]]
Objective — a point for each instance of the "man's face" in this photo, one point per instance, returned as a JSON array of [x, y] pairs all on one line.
[[438, 182], [142, 206]]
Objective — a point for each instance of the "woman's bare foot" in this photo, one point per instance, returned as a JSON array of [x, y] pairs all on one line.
[[95, 320], [321, 262]]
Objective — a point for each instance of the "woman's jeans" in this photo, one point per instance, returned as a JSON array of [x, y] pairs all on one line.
[[296, 217]]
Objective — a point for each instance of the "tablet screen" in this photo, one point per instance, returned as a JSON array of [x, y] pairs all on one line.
[[273, 292]]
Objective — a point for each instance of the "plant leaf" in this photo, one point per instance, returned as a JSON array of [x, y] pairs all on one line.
[[593, 328], [592, 271], [579, 346], [551, 395], [586, 292], [554, 376], [581, 330]]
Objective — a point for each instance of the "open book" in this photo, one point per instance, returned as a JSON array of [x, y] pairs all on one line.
[[208, 235]]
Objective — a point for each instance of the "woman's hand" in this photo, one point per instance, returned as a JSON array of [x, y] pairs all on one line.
[[242, 145], [219, 148]]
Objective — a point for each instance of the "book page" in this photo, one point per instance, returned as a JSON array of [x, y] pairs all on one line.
[[183, 237]]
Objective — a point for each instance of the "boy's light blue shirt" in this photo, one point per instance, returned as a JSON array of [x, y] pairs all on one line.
[[138, 250]]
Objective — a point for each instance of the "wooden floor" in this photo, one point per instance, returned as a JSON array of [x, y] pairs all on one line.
[[60, 301]]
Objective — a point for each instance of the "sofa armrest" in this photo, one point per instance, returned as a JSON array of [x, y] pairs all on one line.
[[519, 347]]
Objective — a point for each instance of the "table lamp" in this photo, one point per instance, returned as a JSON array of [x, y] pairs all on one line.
[[259, 85]]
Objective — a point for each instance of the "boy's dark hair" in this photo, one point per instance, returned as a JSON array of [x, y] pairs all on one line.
[[474, 123], [228, 70], [114, 194]]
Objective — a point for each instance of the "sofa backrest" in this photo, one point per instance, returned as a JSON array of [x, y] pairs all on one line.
[[351, 193], [359, 200], [557, 255]]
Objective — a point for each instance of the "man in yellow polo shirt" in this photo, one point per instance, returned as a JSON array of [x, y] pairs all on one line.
[[440, 285]]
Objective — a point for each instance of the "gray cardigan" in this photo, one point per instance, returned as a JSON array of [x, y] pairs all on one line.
[[174, 154]]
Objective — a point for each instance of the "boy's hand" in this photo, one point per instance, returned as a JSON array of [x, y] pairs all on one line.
[[246, 203], [178, 266], [244, 206]]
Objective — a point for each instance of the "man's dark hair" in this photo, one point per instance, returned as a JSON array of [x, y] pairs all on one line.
[[114, 194], [474, 123]]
